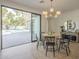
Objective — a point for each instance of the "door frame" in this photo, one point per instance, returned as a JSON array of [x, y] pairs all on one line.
[[23, 11], [1, 27], [32, 28]]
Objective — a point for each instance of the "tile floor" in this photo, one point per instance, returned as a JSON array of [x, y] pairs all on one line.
[[29, 51]]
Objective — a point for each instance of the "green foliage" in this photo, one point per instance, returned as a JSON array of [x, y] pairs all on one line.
[[13, 19], [4, 11]]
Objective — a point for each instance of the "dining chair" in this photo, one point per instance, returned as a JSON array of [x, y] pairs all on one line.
[[50, 42], [37, 41], [43, 39], [65, 43]]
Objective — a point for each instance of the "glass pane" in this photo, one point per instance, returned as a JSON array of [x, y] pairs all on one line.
[[16, 27], [35, 26]]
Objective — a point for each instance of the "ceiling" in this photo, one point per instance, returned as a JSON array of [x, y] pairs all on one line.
[[62, 5]]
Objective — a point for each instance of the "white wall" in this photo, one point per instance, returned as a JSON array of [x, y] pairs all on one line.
[[44, 24], [54, 24], [18, 6]]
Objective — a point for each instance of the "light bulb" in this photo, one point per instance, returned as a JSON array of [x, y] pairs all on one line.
[[45, 12], [51, 9], [58, 12]]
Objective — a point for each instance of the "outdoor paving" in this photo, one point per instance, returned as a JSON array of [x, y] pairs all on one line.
[[16, 38]]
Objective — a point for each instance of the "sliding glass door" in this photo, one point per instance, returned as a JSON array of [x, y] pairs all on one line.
[[35, 26], [19, 27]]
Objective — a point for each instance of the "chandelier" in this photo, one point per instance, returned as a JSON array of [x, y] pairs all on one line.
[[51, 12]]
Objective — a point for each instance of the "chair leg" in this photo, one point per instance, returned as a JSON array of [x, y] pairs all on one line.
[[46, 50], [59, 47], [67, 51], [37, 44], [53, 51], [43, 44]]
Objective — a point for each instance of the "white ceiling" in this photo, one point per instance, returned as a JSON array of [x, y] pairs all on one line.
[[62, 5]]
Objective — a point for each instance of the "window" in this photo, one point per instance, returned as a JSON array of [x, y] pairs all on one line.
[[18, 27]]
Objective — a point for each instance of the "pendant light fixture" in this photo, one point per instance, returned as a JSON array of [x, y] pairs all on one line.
[[51, 12]]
